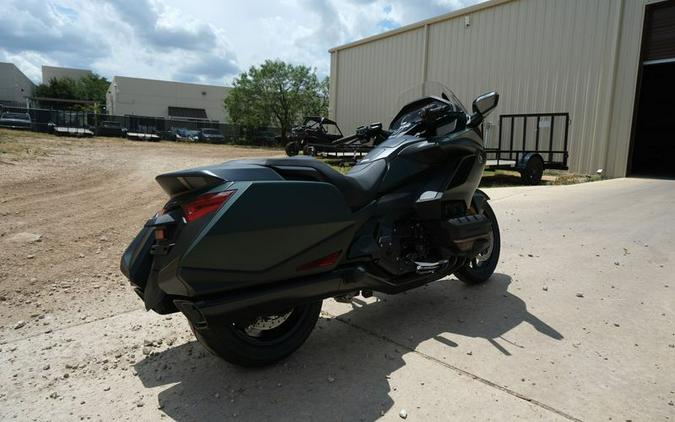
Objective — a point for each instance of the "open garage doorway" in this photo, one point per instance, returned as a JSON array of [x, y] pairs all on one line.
[[653, 143]]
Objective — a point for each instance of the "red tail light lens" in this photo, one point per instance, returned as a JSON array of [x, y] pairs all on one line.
[[205, 205], [326, 261]]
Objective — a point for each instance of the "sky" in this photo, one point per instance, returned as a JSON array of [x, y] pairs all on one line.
[[205, 41]]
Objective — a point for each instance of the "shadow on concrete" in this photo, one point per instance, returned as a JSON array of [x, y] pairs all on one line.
[[341, 373]]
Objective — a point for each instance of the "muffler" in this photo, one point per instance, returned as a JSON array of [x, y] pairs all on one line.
[[276, 297]]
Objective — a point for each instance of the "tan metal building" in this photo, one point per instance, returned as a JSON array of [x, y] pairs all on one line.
[[15, 87], [605, 62], [56, 72], [150, 97]]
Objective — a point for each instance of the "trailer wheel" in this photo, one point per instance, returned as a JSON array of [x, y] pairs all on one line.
[[292, 149], [534, 169]]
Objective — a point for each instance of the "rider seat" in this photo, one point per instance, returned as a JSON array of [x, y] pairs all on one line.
[[359, 186]]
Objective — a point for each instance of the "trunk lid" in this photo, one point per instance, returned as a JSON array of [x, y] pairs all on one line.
[[203, 178]]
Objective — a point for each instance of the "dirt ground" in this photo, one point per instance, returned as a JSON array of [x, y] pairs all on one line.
[[577, 324], [68, 208]]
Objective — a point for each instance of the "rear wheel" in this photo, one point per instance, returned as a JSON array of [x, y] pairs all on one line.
[[262, 341], [292, 149], [480, 268]]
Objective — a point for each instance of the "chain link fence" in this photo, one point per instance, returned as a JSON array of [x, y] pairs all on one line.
[[46, 120]]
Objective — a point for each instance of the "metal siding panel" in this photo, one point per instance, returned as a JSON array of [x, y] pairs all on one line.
[[367, 74], [527, 51], [621, 116], [541, 56], [332, 88]]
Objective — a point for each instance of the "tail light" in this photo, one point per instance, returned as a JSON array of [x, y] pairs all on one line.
[[326, 261], [205, 204]]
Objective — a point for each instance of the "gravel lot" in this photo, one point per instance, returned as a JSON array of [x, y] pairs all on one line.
[[578, 323]]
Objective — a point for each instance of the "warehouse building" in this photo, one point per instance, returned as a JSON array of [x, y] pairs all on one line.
[[609, 64], [168, 99], [55, 72], [15, 87]]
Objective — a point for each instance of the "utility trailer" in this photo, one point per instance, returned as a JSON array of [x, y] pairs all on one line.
[[529, 144], [319, 136], [151, 136], [349, 148], [144, 128], [79, 132], [71, 123]]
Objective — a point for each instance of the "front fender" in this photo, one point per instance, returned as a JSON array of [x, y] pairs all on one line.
[[478, 200]]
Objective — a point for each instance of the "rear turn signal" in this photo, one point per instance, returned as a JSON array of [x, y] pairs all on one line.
[[326, 261], [205, 205], [160, 234]]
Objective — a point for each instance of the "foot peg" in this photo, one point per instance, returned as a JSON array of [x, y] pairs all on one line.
[[346, 298], [430, 267]]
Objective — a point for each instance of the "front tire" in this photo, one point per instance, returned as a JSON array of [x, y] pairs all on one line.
[[480, 269], [265, 340]]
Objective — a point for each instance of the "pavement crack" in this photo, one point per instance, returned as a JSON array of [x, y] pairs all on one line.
[[458, 370]]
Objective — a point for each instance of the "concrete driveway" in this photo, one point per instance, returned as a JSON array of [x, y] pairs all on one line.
[[578, 324]]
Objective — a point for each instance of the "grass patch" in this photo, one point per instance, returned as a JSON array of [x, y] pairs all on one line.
[[16, 145], [501, 178], [338, 165], [573, 179]]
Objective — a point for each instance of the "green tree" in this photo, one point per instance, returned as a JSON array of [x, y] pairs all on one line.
[[276, 93], [90, 87], [63, 88]]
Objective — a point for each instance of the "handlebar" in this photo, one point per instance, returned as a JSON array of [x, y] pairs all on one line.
[[369, 131]]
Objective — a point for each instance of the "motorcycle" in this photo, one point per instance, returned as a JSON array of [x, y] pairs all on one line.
[[247, 250]]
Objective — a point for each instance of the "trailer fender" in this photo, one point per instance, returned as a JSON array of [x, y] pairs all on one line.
[[531, 167], [522, 163]]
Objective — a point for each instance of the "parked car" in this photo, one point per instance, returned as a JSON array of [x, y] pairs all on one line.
[[182, 134], [16, 120], [265, 137], [111, 128], [211, 135]]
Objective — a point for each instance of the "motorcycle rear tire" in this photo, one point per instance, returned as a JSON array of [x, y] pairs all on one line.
[[233, 344]]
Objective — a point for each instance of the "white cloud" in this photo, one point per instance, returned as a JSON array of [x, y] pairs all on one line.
[[207, 41]]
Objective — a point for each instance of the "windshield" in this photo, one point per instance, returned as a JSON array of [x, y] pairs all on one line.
[[311, 124], [424, 90], [407, 113]]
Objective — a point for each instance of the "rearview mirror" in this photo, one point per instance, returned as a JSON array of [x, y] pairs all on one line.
[[485, 103], [482, 106]]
